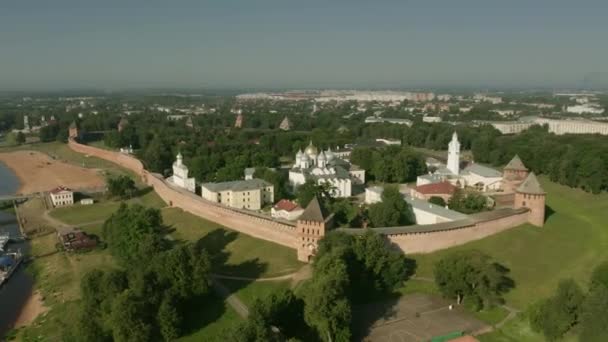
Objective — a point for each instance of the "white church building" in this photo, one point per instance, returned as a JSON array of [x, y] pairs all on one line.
[[180, 175], [325, 167], [480, 177]]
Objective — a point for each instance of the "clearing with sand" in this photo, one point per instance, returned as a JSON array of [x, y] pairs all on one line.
[[38, 172]]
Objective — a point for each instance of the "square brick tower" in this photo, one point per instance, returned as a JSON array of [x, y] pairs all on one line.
[[530, 195], [311, 227]]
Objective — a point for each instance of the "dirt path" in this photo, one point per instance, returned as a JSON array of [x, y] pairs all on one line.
[[280, 278], [230, 298], [302, 274]]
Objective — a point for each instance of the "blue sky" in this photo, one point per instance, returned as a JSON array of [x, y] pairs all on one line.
[[257, 43]]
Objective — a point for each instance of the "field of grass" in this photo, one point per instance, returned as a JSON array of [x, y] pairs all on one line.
[[238, 254], [573, 241], [58, 278], [83, 214], [208, 319], [248, 292]]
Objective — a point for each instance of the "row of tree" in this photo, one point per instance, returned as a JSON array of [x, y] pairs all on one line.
[[391, 164]]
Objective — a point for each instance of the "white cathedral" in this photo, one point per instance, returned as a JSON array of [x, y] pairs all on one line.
[[180, 175], [325, 167]]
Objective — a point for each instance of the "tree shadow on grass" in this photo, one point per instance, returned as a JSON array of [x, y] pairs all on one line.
[[202, 311], [548, 212], [143, 191]]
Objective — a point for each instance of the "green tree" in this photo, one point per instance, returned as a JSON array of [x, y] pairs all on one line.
[[20, 138], [594, 315], [121, 186], [310, 189], [392, 211], [169, 318], [130, 320], [557, 315], [135, 234], [327, 308], [474, 276], [437, 201]]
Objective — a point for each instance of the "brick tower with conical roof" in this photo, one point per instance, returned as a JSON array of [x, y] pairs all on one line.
[[532, 196], [514, 173], [311, 227]]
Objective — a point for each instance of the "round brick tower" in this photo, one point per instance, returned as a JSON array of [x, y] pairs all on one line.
[[530, 195]]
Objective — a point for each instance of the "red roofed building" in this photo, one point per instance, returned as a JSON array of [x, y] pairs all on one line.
[[62, 196], [287, 210], [444, 190]]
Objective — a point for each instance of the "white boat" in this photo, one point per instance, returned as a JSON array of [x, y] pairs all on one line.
[[4, 238]]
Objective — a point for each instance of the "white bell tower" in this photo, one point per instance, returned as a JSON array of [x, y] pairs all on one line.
[[454, 155]]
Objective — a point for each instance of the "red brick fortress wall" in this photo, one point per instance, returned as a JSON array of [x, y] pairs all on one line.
[[252, 224]]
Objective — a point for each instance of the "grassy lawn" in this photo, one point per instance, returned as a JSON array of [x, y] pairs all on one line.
[[518, 330], [58, 278], [573, 240], [248, 292], [82, 214], [238, 254], [208, 319]]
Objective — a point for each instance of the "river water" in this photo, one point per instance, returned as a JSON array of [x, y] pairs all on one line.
[[15, 293]]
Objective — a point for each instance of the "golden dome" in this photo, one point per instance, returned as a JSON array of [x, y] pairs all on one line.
[[311, 149]]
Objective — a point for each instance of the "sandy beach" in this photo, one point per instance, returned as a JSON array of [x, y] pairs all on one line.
[[32, 309], [38, 172]]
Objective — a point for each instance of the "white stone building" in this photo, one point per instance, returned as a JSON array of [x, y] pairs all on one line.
[[325, 167], [180, 175], [585, 109], [250, 194], [62, 196]]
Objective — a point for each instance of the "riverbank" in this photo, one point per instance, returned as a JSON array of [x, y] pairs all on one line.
[[37, 172], [33, 308]]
